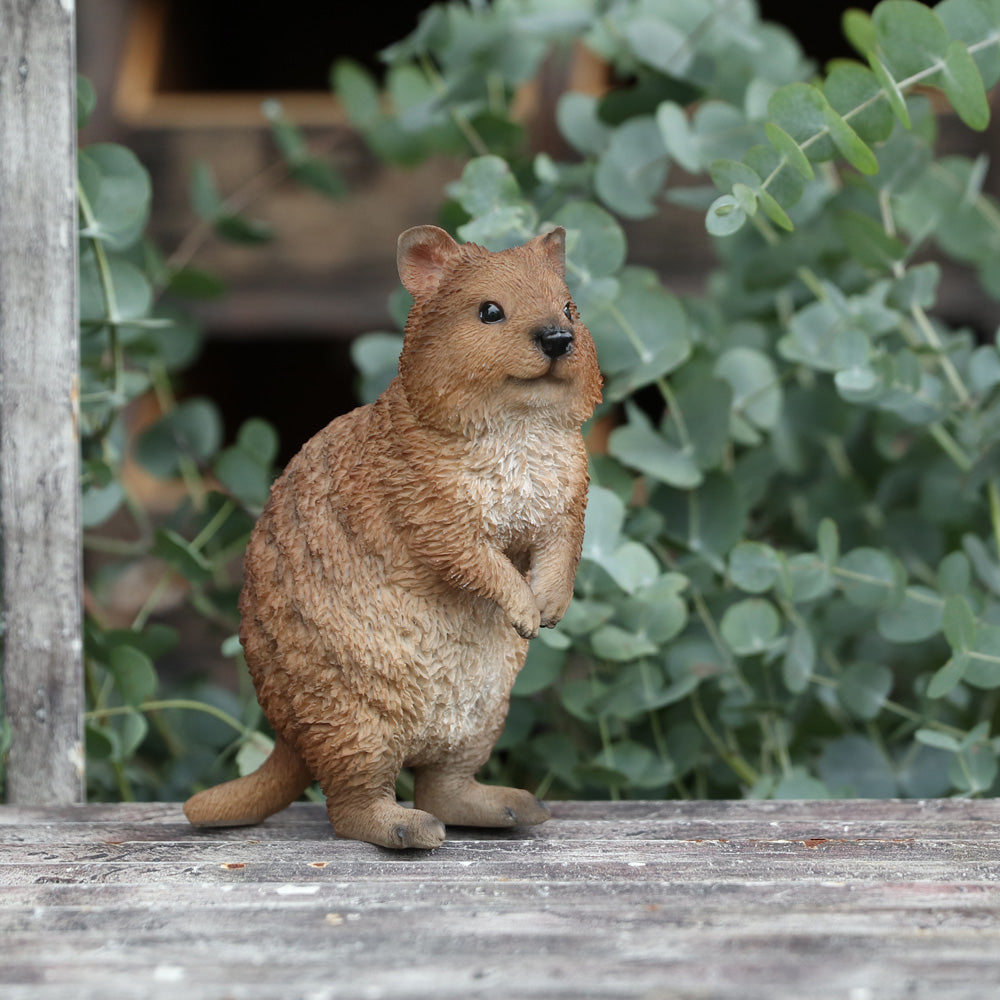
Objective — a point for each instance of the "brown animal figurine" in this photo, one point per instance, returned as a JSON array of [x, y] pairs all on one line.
[[411, 549]]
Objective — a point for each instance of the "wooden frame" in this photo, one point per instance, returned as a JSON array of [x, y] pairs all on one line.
[[39, 443]]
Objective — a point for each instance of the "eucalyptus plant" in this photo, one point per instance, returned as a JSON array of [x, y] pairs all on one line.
[[147, 735], [790, 582]]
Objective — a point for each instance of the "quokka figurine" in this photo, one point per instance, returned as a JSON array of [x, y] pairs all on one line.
[[411, 549]]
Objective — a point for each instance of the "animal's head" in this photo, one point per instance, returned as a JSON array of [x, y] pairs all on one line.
[[493, 335]]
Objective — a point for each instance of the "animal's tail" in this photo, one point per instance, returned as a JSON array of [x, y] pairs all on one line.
[[278, 782]]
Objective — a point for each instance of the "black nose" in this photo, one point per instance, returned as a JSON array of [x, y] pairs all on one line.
[[554, 341]]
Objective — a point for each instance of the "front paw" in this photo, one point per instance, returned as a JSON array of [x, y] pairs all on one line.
[[551, 608], [526, 621]]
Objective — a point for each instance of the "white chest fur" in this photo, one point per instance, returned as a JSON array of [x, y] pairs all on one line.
[[513, 478]]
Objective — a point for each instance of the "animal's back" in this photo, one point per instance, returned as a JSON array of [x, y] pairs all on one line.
[[336, 610]]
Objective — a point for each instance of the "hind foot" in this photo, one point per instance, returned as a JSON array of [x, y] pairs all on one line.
[[464, 802], [387, 824]]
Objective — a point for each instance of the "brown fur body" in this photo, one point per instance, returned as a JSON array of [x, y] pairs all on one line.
[[410, 550]]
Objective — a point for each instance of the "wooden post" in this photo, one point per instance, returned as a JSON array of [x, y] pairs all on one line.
[[39, 446]]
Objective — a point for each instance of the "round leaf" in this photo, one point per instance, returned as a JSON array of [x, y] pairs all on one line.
[[863, 689], [871, 578], [750, 626]]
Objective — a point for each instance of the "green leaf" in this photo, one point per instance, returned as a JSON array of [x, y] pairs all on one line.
[[244, 476], [287, 135], [757, 393], [790, 149], [959, 623], [615, 644], [86, 100], [678, 137], [320, 176], [938, 740], [131, 294], [948, 677], [708, 520], [867, 240], [239, 229], [750, 626], [252, 754], [118, 191], [954, 576], [801, 110], [797, 784], [918, 617], [579, 124], [863, 689], [849, 143], [632, 169], [800, 660], [964, 87], [859, 30], [850, 86], [192, 430], [853, 765], [972, 21], [911, 37], [540, 671], [725, 216], [755, 567], [637, 764], [595, 243], [871, 578], [974, 769], [810, 578], [134, 674], [98, 503], [259, 439], [828, 541], [358, 92], [891, 90], [644, 449], [194, 283], [642, 337], [205, 198], [178, 553]]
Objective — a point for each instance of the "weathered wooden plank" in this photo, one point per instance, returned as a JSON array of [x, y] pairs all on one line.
[[852, 819], [521, 957], [934, 811], [606, 900], [39, 449]]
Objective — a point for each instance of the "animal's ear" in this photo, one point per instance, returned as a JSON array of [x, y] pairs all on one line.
[[421, 254], [553, 245]]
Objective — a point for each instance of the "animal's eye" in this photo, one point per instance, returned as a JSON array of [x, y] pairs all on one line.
[[490, 312], [568, 311]]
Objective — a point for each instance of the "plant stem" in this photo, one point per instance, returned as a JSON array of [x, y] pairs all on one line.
[[173, 703], [735, 762]]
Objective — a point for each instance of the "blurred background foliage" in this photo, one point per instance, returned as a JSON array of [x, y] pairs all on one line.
[[790, 582]]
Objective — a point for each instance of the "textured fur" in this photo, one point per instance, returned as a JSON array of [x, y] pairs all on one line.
[[410, 550]]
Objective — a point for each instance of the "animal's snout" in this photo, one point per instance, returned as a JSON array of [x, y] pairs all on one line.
[[554, 341]]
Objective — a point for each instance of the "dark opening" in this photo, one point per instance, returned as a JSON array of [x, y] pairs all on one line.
[[298, 384], [815, 25], [249, 45]]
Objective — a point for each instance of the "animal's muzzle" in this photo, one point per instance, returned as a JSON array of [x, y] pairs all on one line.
[[554, 341]]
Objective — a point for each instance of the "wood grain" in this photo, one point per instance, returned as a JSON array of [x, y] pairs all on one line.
[[39, 449], [854, 900]]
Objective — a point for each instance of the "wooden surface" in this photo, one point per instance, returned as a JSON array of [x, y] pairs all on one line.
[[39, 448], [856, 900]]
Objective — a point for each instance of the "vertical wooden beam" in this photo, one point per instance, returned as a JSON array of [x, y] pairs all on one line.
[[39, 446]]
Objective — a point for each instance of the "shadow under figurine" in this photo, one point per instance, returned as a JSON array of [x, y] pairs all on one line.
[[411, 549]]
